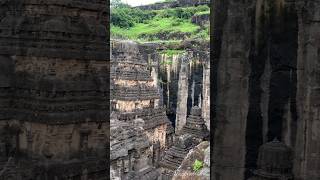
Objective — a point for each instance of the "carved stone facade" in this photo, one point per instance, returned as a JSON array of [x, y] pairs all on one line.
[[54, 88], [135, 97]]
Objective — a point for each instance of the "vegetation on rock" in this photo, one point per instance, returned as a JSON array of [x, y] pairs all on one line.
[[197, 165]]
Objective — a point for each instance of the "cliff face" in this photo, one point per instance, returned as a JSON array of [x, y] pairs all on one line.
[[265, 84]]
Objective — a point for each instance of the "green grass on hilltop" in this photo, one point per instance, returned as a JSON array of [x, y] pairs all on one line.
[[153, 25], [202, 12]]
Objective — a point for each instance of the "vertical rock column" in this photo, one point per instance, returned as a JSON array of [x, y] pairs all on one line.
[[307, 154], [182, 97], [232, 27], [206, 94]]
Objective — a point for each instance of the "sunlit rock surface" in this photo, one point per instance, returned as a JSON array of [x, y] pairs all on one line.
[[201, 153]]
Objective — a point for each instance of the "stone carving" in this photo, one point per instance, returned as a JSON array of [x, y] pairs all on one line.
[[175, 155], [195, 125], [275, 161]]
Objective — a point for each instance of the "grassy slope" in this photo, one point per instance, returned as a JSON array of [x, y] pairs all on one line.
[[162, 24], [154, 26]]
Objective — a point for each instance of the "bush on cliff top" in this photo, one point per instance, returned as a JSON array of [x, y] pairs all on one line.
[[127, 17]]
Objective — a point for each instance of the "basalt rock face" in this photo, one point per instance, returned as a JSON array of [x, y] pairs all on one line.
[[265, 87], [54, 88]]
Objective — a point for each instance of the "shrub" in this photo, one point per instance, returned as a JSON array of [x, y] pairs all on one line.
[[120, 18], [126, 17], [197, 165]]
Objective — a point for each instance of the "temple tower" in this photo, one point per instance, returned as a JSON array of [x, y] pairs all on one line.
[[135, 97], [195, 125], [134, 93]]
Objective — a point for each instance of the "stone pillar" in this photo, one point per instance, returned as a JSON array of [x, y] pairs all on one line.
[[181, 113], [205, 103]]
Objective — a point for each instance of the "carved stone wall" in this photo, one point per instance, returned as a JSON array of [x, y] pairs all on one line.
[[63, 143], [133, 92], [56, 52], [54, 87]]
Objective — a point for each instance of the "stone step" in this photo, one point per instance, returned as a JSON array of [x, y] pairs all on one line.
[[170, 164]]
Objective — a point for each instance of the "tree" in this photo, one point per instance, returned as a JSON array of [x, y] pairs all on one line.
[[118, 4]]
